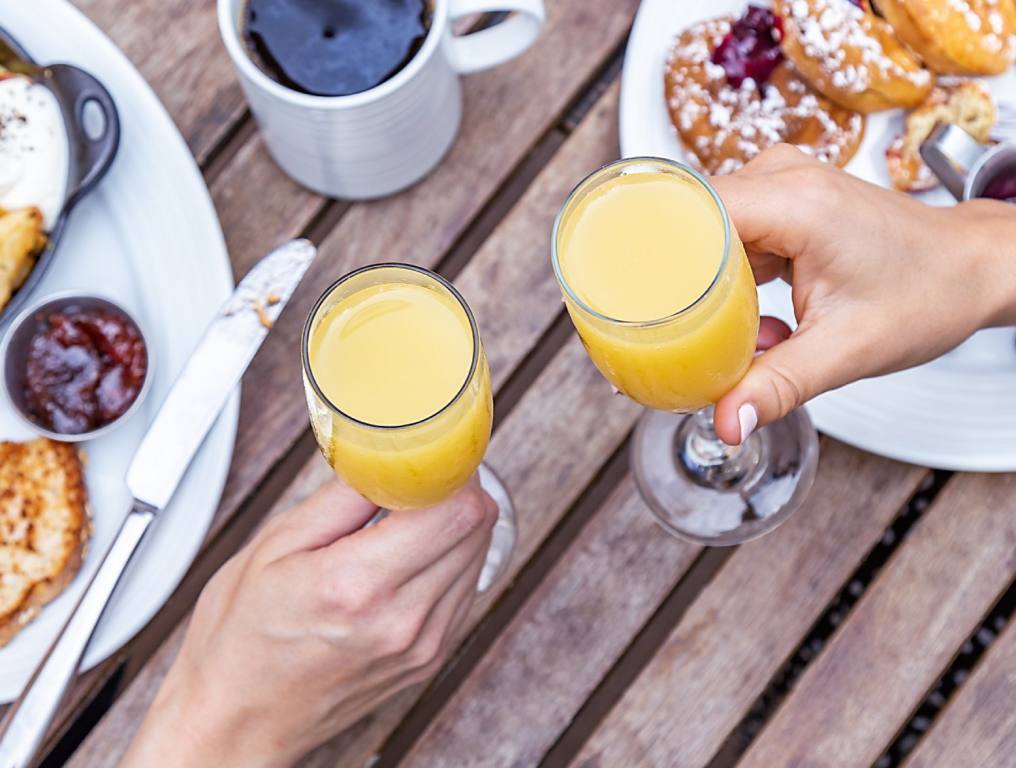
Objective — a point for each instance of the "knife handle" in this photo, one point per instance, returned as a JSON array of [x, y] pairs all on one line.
[[26, 724]]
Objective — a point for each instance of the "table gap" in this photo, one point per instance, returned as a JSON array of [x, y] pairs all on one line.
[[610, 473], [636, 656], [67, 744], [99, 678], [602, 80], [500, 204], [952, 679], [226, 147], [782, 683], [325, 219], [526, 372]]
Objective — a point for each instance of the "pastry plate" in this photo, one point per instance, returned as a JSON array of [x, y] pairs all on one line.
[[957, 412], [125, 239]]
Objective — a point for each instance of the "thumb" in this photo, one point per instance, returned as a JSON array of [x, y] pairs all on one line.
[[780, 379], [333, 511]]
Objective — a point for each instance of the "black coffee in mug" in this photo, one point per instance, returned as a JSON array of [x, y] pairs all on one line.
[[334, 47]]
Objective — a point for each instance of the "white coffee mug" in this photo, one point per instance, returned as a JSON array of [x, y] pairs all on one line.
[[377, 142]]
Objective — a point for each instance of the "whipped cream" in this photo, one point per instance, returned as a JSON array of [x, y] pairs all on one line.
[[33, 148]]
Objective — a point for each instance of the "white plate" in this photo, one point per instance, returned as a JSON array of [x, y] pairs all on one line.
[[148, 237], [958, 412]]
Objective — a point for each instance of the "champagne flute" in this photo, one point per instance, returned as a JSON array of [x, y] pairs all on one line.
[[659, 288], [399, 393]]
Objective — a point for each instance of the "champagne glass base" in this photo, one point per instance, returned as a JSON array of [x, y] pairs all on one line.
[[505, 534], [769, 478]]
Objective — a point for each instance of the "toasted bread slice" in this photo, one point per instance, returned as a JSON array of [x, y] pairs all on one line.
[[44, 526], [966, 103], [21, 241]]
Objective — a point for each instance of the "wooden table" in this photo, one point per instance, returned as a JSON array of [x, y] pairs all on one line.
[[611, 644]]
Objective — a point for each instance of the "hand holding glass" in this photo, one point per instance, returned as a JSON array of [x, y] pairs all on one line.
[[399, 392], [659, 288]]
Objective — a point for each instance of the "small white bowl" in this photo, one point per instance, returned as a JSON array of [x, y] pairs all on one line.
[[14, 353]]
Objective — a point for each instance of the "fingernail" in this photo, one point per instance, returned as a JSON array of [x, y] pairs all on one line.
[[747, 417]]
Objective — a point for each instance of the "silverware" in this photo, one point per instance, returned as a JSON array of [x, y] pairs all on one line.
[[190, 409]]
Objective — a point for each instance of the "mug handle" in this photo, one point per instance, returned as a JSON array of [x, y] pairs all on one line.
[[491, 47], [951, 152]]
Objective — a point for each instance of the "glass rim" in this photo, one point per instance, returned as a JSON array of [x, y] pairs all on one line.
[[648, 159], [442, 282]]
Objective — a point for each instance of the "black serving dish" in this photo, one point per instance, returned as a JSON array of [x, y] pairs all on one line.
[[93, 137]]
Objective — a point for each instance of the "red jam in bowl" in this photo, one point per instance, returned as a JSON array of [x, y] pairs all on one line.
[[85, 368], [1002, 187], [752, 47]]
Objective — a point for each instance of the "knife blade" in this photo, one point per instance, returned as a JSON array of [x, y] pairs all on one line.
[[213, 371], [186, 415]]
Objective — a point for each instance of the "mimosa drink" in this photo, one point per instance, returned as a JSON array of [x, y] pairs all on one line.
[[398, 386], [660, 290], [670, 313]]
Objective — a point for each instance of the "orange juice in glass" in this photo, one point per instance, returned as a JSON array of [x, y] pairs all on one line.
[[659, 288], [399, 391]]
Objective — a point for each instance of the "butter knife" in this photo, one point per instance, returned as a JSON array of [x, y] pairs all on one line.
[[186, 415]]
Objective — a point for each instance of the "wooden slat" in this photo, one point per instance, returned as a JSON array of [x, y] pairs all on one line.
[[259, 207], [547, 450], [862, 688], [528, 687], [978, 727], [739, 631], [175, 44]]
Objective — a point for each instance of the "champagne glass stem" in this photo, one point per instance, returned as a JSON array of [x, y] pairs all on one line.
[[708, 460]]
